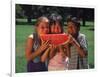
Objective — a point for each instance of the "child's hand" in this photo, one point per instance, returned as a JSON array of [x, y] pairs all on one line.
[[71, 39], [44, 45], [52, 51], [53, 47]]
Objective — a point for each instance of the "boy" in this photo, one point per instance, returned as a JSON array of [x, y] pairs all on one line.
[[77, 45]]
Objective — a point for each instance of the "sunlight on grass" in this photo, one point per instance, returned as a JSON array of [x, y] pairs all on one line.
[[23, 31]]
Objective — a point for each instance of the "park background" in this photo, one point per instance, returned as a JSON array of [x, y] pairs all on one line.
[[26, 16]]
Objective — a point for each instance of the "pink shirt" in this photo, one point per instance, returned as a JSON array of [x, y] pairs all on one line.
[[58, 62]]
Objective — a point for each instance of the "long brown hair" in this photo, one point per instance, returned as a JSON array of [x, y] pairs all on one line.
[[56, 18]]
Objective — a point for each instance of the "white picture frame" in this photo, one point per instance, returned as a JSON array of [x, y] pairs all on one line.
[[71, 73]]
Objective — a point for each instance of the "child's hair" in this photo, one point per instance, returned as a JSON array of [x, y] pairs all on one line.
[[75, 21], [42, 19], [56, 18]]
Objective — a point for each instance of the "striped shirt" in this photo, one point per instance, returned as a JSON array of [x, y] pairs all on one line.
[[76, 62]]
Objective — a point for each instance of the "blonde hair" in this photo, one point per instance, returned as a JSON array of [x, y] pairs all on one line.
[[41, 19]]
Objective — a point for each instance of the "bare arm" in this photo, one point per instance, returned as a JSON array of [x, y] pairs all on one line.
[[45, 55], [67, 50], [28, 52], [49, 53], [81, 51], [53, 50]]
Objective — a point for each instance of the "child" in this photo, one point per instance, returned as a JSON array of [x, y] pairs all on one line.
[[57, 56], [77, 44], [35, 47]]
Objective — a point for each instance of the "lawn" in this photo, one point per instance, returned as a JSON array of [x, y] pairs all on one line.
[[22, 32]]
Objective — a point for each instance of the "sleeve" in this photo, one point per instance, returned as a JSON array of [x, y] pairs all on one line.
[[83, 61], [83, 42], [31, 36]]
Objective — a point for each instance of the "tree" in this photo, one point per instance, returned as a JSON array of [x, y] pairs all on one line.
[[28, 12], [19, 11]]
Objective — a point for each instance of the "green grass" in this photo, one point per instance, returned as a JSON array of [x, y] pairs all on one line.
[[23, 31], [90, 37]]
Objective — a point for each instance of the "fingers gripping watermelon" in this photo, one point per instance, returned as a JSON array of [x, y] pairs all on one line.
[[55, 39]]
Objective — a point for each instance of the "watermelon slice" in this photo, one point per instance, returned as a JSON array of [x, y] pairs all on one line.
[[56, 39]]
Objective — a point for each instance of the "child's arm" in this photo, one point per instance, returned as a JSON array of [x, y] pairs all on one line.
[[29, 45], [45, 55], [49, 53], [67, 50], [53, 50], [81, 51]]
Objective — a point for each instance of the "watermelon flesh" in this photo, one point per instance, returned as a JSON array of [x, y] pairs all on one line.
[[55, 39]]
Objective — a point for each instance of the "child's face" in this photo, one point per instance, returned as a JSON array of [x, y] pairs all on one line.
[[43, 28], [71, 28], [55, 28]]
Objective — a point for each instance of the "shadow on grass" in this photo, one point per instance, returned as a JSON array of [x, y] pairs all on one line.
[[88, 26], [21, 64], [91, 29], [91, 66]]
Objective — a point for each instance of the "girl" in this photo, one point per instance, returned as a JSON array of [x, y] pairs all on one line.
[[57, 54], [35, 47]]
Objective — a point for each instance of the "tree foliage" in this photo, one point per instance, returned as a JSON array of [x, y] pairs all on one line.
[[35, 11]]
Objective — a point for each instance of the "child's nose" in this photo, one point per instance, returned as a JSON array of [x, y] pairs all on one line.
[[46, 29]]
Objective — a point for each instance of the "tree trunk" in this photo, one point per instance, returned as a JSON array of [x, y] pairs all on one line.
[[29, 20], [84, 18]]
